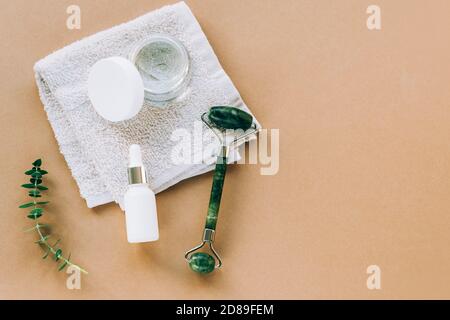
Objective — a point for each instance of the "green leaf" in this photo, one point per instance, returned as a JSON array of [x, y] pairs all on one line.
[[37, 163], [46, 254], [43, 239], [34, 216], [35, 213], [36, 174], [36, 210], [26, 205], [42, 202], [37, 181], [64, 264], [34, 193], [42, 188], [30, 229], [28, 186], [58, 254], [30, 172], [37, 226], [42, 172]]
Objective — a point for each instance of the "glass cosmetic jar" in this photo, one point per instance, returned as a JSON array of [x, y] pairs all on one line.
[[164, 65], [158, 70]]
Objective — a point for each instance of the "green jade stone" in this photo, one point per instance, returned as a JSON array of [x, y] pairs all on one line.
[[216, 193], [230, 118], [202, 262]]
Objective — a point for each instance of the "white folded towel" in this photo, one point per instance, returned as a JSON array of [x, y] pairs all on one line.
[[96, 150]]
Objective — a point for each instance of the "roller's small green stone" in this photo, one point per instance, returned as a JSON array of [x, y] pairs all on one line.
[[202, 262]]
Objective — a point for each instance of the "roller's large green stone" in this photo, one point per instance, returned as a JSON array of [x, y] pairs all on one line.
[[230, 118], [202, 262]]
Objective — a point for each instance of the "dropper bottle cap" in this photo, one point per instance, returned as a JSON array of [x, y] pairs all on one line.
[[136, 170]]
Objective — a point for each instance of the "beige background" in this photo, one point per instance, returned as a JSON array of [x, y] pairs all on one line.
[[364, 178]]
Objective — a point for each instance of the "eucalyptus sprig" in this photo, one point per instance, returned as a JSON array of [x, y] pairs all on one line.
[[36, 207]]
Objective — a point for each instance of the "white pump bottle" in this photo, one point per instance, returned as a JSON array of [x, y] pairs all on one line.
[[139, 202]]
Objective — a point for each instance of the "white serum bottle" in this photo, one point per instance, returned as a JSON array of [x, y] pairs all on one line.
[[139, 202]]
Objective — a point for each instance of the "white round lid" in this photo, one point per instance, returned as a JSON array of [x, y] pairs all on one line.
[[115, 89]]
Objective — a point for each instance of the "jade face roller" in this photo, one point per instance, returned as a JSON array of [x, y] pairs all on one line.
[[221, 120]]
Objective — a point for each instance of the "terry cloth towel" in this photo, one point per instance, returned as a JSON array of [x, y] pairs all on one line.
[[97, 150]]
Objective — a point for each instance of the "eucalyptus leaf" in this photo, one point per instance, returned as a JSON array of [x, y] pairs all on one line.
[[43, 239], [46, 254], [35, 196], [34, 216], [65, 263], [36, 174], [58, 254], [36, 210], [30, 229], [26, 205], [62, 266], [34, 193]]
